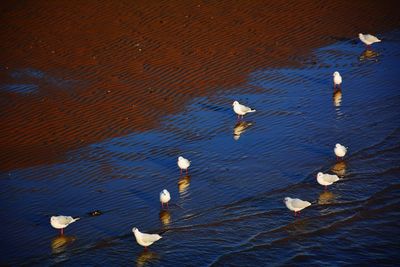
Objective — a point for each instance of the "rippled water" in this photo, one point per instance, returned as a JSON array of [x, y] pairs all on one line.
[[229, 209]]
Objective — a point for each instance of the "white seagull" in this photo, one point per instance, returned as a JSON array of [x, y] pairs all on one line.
[[183, 164], [340, 151], [326, 179], [368, 39], [61, 222], [144, 239], [337, 80], [165, 197], [296, 204], [241, 110]]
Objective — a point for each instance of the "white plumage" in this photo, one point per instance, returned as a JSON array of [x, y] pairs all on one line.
[[296, 204], [240, 109], [144, 239], [340, 150], [165, 197], [368, 39], [326, 179], [337, 79], [183, 163], [61, 221]]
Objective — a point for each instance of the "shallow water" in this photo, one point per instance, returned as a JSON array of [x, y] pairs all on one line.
[[229, 209]]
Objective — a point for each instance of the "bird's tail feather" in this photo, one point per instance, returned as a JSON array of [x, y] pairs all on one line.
[[252, 110]]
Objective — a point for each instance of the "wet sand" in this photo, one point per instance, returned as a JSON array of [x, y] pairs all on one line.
[[99, 69]]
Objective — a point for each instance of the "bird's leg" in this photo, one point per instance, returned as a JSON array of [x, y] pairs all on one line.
[[145, 248], [181, 171], [167, 206], [186, 171], [62, 231], [162, 205], [326, 187]]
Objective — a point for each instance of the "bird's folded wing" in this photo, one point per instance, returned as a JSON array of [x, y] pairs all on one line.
[[331, 178], [150, 237], [244, 108], [297, 203], [65, 219]]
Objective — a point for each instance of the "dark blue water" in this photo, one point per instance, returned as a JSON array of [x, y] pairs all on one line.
[[229, 210]]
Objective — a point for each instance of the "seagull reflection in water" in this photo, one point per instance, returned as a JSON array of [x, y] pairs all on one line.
[[337, 102], [337, 98], [369, 54], [60, 243], [326, 197], [183, 184], [297, 227], [165, 217], [240, 128], [339, 169], [146, 257]]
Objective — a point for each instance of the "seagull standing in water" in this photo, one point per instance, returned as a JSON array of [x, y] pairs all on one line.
[[296, 204], [241, 110], [326, 179], [144, 239], [61, 222], [368, 39], [337, 80], [183, 164], [340, 151], [165, 197]]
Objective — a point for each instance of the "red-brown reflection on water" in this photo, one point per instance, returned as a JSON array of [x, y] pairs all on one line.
[[110, 68]]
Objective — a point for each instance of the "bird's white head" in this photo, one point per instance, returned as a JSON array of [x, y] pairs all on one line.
[[165, 191], [135, 230], [235, 103], [180, 158], [336, 73], [360, 35], [286, 199], [338, 145], [319, 174]]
